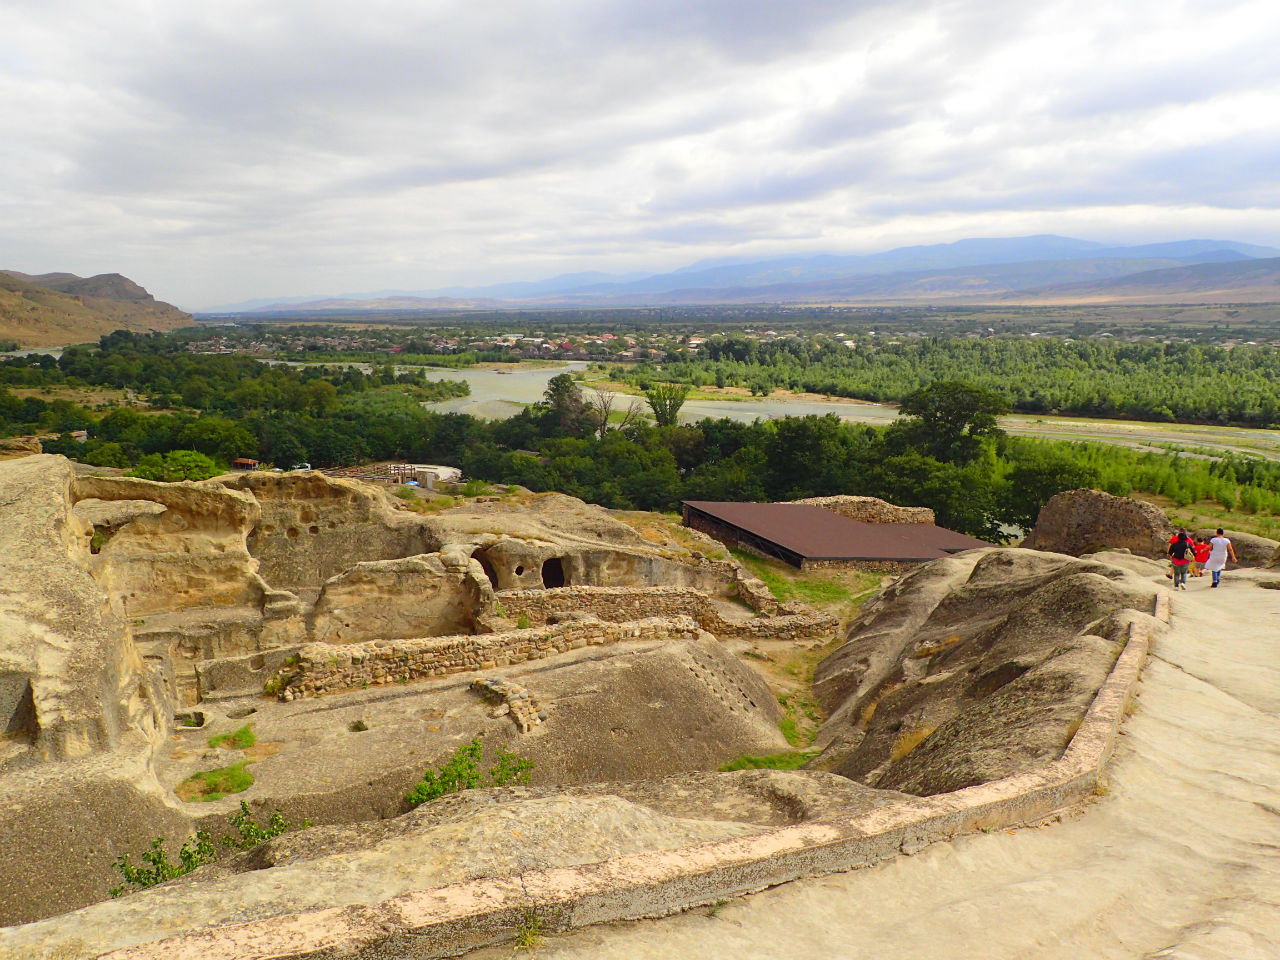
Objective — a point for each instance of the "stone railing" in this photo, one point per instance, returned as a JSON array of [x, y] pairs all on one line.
[[326, 668], [631, 603]]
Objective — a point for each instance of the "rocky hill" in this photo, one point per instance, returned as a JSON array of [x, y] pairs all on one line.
[[55, 309]]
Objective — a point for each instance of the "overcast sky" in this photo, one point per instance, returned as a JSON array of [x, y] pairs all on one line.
[[226, 149]]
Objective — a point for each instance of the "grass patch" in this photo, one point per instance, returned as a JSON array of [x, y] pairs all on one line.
[[240, 739], [837, 592], [908, 741], [1211, 514], [210, 785], [529, 933], [790, 760], [665, 529]]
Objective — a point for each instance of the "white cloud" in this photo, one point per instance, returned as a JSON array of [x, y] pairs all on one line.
[[240, 148]]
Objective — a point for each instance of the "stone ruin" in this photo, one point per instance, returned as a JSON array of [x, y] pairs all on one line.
[[363, 640], [871, 509], [164, 609]]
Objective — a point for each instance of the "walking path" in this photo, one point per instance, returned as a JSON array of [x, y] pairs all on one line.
[[1179, 859]]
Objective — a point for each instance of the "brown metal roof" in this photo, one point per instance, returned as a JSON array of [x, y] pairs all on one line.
[[818, 534]]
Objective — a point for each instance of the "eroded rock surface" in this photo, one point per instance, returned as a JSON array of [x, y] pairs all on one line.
[[974, 668], [1085, 521], [82, 712]]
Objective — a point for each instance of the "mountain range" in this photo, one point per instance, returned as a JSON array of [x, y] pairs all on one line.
[[56, 309], [1036, 269]]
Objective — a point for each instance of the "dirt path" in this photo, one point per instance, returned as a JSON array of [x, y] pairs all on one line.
[[1180, 859]]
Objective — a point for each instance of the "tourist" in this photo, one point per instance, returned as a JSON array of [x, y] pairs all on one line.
[[1181, 552], [1202, 550], [1219, 548]]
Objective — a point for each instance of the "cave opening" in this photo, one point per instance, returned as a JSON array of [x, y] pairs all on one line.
[[553, 573]]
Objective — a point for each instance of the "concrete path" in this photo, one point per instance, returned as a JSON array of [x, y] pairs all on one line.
[[1179, 859]]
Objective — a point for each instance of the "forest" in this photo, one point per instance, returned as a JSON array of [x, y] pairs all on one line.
[[1175, 381], [946, 452]]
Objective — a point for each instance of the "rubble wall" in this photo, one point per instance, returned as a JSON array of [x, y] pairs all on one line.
[[632, 603]]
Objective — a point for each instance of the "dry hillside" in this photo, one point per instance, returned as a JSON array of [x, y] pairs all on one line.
[[36, 313]]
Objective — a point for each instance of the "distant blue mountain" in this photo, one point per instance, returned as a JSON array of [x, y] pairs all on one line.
[[985, 263]]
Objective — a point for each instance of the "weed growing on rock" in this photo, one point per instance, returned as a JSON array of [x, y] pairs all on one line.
[[529, 933], [508, 768], [522, 623], [196, 852], [159, 868], [462, 772], [249, 834]]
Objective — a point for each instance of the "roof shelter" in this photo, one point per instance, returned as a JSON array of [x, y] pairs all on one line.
[[798, 533]]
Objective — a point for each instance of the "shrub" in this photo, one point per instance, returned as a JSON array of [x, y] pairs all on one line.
[[248, 834], [462, 772], [176, 465], [508, 769], [522, 622], [196, 852], [160, 868]]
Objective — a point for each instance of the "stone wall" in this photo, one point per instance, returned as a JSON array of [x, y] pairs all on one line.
[[620, 604], [898, 567], [871, 509], [326, 668]]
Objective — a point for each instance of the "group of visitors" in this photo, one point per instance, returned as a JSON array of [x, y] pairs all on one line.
[[1194, 557]]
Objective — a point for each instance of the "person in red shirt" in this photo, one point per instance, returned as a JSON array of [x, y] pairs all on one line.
[[1201, 549]]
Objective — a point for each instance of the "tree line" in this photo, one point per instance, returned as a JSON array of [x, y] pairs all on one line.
[[946, 452], [1179, 381]]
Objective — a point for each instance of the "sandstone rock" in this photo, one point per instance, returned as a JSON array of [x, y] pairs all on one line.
[[974, 668], [422, 596], [1086, 521], [82, 712], [19, 447]]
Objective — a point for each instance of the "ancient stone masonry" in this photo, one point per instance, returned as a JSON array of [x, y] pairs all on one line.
[[525, 710], [871, 509], [631, 603], [325, 668]]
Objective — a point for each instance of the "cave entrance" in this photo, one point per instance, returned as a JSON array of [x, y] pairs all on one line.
[[488, 569], [553, 573]]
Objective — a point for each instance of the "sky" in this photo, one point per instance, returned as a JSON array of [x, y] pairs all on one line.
[[232, 149]]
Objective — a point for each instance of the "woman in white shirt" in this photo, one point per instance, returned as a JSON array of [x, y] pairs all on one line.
[[1219, 547]]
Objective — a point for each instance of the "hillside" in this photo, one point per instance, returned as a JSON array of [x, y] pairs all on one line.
[[1245, 281], [1012, 269], [55, 309]]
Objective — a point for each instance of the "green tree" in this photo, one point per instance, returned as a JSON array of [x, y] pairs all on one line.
[[949, 418], [175, 465], [565, 413], [665, 400]]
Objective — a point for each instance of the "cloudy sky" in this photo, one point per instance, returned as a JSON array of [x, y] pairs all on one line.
[[229, 149]]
